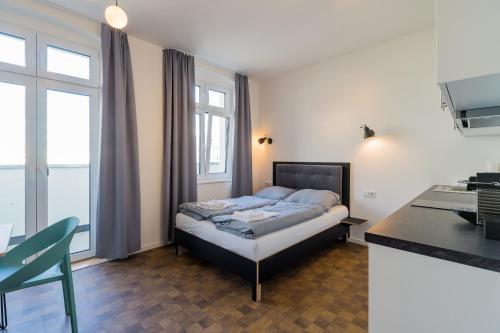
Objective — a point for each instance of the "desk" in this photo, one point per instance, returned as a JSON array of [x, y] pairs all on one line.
[[5, 232]]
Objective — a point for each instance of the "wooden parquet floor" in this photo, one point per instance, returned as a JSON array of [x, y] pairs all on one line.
[[157, 291]]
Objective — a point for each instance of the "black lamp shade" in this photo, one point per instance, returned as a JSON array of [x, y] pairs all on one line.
[[368, 132], [265, 139]]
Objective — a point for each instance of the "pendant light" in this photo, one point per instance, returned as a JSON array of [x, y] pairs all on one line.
[[116, 16]]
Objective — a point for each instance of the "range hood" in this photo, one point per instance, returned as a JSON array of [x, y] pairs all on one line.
[[474, 104]]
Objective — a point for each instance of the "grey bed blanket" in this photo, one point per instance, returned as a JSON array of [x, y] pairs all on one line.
[[242, 203], [290, 214]]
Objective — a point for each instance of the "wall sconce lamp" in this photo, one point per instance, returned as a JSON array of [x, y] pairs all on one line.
[[368, 132], [266, 138]]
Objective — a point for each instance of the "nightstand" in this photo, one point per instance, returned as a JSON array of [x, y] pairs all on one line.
[[353, 221]]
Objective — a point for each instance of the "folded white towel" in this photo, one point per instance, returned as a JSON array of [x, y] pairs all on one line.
[[253, 215], [215, 204]]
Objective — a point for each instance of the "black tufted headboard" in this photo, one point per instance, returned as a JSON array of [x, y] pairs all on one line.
[[318, 176]]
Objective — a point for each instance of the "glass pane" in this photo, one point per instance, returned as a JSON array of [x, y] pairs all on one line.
[[197, 94], [218, 148], [206, 130], [12, 50], [12, 156], [68, 151], [68, 63], [216, 98], [198, 143]]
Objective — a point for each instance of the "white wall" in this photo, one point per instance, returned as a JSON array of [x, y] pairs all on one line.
[[467, 38], [147, 60], [147, 67], [43, 18], [314, 115]]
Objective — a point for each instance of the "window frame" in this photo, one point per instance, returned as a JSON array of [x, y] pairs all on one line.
[[29, 49], [202, 108], [44, 41]]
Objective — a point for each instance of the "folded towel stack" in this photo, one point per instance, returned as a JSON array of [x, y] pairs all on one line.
[[215, 204], [253, 215]]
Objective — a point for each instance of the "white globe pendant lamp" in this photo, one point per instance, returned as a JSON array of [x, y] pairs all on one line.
[[116, 16]]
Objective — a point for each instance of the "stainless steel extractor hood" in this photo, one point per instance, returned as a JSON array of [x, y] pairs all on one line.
[[474, 104], [482, 121]]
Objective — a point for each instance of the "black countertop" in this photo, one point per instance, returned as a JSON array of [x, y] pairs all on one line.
[[437, 233]]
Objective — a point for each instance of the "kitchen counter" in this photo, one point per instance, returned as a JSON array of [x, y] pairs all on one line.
[[432, 271], [438, 233]]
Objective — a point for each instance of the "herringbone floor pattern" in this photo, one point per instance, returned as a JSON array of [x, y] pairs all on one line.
[[157, 291]]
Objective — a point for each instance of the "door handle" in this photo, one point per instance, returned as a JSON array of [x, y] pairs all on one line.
[[44, 170]]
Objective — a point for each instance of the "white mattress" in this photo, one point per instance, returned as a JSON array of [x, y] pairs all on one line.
[[267, 245]]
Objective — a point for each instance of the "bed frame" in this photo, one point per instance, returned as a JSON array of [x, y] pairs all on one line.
[[297, 175]]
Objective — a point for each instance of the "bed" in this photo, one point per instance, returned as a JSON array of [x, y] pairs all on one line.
[[256, 260]]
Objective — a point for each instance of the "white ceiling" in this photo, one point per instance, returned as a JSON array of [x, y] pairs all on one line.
[[265, 38]]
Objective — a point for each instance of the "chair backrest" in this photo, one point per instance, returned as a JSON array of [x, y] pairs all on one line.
[[53, 240]]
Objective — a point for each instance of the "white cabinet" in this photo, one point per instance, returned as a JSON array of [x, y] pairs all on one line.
[[468, 38], [413, 293]]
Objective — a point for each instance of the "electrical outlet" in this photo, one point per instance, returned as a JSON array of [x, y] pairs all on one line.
[[370, 194], [268, 183]]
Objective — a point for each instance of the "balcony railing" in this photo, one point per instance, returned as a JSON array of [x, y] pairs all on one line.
[[68, 195]]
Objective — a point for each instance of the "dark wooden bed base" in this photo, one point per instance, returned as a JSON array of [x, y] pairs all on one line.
[[259, 272]]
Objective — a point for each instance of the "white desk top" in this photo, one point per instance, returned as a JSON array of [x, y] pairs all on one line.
[[5, 232]]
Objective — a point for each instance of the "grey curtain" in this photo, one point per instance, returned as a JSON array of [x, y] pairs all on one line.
[[118, 206], [242, 154], [179, 139]]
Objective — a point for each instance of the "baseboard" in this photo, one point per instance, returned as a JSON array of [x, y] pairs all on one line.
[[357, 241], [89, 262], [151, 246], [85, 263]]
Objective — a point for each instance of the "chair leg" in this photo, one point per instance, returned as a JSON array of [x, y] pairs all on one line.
[[65, 294], [68, 280], [3, 314]]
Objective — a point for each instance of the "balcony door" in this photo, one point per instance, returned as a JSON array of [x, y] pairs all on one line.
[[66, 136], [49, 121]]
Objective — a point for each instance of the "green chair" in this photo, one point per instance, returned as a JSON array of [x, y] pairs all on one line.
[[51, 264]]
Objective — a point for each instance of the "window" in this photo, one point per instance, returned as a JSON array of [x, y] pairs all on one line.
[[197, 94], [216, 98], [66, 61], [13, 50], [18, 49], [214, 129], [49, 125]]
